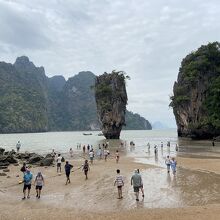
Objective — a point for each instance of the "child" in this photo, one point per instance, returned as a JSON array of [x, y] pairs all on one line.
[[86, 168], [120, 183], [173, 164], [117, 156], [59, 160]]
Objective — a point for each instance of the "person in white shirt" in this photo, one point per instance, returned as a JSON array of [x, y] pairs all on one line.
[[59, 161], [91, 156], [18, 146], [71, 152]]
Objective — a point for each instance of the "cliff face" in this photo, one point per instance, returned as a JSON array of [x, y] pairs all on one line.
[[196, 99], [32, 102], [23, 97], [111, 100]]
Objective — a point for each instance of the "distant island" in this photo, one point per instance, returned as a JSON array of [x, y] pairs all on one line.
[[32, 102]]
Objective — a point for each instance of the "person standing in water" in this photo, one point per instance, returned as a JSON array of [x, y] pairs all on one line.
[[39, 182], [119, 183], [71, 152], [136, 181], [84, 149], [59, 161], [155, 149], [68, 168], [86, 168], [117, 156], [18, 146], [27, 183], [173, 164], [142, 186], [167, 162]]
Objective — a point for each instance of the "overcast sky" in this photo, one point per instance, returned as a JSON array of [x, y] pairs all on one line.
[[146, 38]]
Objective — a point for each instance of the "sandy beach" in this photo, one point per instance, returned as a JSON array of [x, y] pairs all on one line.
[[96, 198]]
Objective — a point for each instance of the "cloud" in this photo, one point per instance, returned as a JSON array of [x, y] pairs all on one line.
[[147, 39]]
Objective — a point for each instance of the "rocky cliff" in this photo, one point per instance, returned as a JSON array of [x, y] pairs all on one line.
[[111, 100], [32, 102], [196, 94], [23, 97]]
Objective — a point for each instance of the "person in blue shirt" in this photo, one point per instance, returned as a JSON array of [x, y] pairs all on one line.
[[173, 164], [27, 183], [68, 168]]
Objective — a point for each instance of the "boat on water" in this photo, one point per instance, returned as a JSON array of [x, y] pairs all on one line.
[[87, 133]]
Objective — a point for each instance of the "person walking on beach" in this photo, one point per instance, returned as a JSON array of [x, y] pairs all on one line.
[[18, 146], [105, 154], [136, 181], [59, 161], [88, 148], [71, 152], [167, 162], [117, 156], [142, 186], [27, 183], [84, 149], [86, 168], [23, 168], [68, 168], [39, 182], [91, 156], [119, 183], [173, 164]]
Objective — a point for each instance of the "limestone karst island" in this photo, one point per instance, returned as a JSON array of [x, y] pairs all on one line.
[[109, 110]]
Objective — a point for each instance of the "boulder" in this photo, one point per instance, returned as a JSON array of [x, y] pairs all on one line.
[[3, 167], [6, 170], [35, 159], [46, 161], [3, 174], [10, 158], [2, 150]]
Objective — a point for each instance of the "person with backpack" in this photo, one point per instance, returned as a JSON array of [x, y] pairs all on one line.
[[86, 168], [27, 183], [39, 183]]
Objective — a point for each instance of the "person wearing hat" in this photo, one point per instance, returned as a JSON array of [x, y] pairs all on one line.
[[136, 181], [27, 183]]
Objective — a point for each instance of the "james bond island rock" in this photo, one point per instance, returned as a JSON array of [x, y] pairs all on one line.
[[196, 99], [111, 101]]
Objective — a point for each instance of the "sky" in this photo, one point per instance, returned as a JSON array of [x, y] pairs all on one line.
[[145, 38]]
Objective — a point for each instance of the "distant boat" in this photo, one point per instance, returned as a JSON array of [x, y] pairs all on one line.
[[100, 134], [87, 133]]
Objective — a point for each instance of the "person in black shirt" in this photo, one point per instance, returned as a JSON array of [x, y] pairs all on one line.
[[68, 168]]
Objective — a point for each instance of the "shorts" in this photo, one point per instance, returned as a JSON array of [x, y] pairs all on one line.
[[27, 186], [38, 187], [136, 188], [119, 187], [85, 172], [91, 158], [68, 174], [58, 164]]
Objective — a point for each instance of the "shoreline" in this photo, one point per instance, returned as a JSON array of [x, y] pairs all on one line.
[[97, 197]]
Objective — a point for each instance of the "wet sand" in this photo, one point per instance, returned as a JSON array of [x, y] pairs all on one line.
[[192, 194]]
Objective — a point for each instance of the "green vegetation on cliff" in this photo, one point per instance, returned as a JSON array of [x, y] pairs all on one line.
[[32, 102], [196, 99]]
